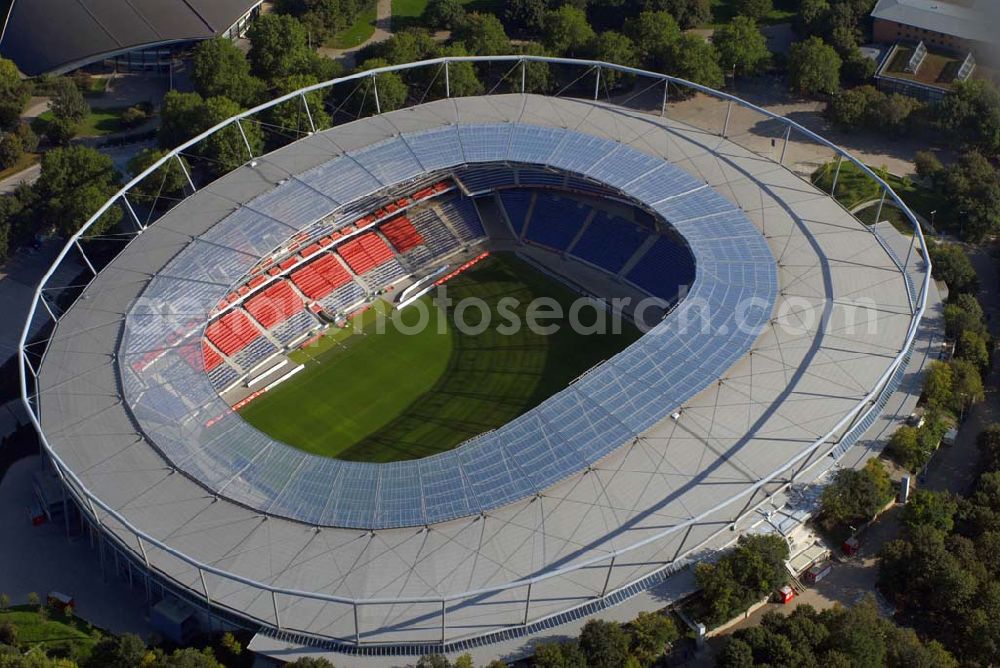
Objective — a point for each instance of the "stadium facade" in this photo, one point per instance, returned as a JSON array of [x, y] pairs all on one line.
[[655, 457]]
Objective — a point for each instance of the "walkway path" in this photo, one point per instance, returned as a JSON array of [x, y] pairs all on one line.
[[383, 31]]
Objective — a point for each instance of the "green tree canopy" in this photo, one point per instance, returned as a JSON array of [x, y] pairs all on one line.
[[689, 13], [444, 14], [614, 47], [968, 385], [74, 183], [292, 116], [567, 31], [67, 101], [220, 68], [181, 117], [482, 35], [462, 79], [742, 46], [168, 181], [696, 60], [279, 48], [855, 495], [973, 189], [225, 149], [525, 16], [754, 9], [813, 67], [929, 508], [972, 114], [650, 632], [939, 385], [604, 644], [952, 265], [655, 34], [755, 567], [392, 91], [14, 94]]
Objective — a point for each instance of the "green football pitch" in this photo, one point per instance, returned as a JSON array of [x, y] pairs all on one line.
[[401, 392]]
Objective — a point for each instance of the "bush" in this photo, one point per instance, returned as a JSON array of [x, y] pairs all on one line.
[[11, 150], [952, 266], [755, 567], [8, 633], [133, 116]]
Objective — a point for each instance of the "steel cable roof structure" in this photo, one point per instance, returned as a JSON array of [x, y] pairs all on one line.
[[577, 503]]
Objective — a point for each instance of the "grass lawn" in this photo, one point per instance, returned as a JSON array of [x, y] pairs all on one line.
[[358, 33], [97, 123], [855, 187], [723, 12], [408, 13], [398, 395], [33, 629], [25, 161]]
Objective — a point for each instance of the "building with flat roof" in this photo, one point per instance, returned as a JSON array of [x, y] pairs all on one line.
[[134, 34], [957, 25]]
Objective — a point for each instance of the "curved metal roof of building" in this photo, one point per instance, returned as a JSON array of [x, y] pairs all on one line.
[[53, 36], [571, 430], [659, 497]]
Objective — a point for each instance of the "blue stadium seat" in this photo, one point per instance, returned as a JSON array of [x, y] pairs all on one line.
[[662, 269], [555, 221], [609, 242]]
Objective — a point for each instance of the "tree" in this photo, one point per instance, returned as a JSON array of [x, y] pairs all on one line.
[[604, 644], [73, 184], [614, 47], [811, 18], [181, 117], [464, 661], [567, 31], [433, 661], [292, 116], [854, 107], [696, 60], [654, 35], [952, 265], [904, 447], [11, 149], [444, 14], [754, 9], [650, 632], [225, 148], [392, 91], [689, 13], [971, 113], [220, 68], [929, 508], [279, 47], [67, 102], [742, 46], [927, 165], [125, 651], [409, 46], [972, 186], [537, 75], [973, 347], [524, 16], [895, 111], [309, 662], [736, 653], [167, 181], [968, 385], [813, 67], [321, 18], [856, 494], [753, 568], [483, 35], [939, 383], [988, 442], [14, 94], [461, 76], [558, 655]]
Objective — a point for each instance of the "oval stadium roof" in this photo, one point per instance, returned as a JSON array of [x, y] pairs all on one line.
[[55, 36]]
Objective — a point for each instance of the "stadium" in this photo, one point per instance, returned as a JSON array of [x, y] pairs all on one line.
[[212, 391]]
